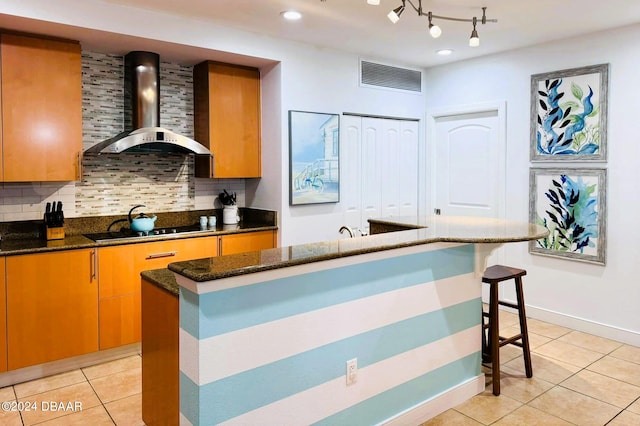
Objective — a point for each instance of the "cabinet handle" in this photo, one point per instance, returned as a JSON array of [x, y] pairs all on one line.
[[94, 264], [80, 171], [160, 255]]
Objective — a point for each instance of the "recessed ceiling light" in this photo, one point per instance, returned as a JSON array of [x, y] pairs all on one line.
[[444, 52], [291, 15]]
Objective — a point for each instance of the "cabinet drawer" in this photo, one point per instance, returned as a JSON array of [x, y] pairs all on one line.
[[120, 266], [252, 241]]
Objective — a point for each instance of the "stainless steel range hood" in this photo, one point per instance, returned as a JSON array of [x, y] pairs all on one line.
[[142, 106]]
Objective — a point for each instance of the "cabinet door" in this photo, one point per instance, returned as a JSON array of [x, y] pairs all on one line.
[[41, 109], [227, 119], [52, 306], [251, 241], [3, 319], [120, 268]]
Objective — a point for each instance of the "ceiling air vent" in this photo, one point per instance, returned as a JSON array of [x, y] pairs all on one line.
[[379, 75]]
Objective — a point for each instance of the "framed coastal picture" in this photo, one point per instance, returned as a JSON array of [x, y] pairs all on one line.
[[314, 154], [569, 114], [571, 204]]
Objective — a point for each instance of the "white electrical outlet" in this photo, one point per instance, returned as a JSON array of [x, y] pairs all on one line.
[[352, 371]]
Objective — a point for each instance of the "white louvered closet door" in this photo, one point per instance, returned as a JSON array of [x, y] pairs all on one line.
[[379, 169]]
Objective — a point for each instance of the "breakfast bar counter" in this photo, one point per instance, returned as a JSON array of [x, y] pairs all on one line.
[[265, 337]]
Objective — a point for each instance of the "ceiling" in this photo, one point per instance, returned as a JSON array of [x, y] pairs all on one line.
[[355, 26]]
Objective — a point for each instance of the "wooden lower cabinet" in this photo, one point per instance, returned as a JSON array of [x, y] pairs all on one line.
[[250, 241], [3, 318], [160, 360], [52, 306], [119, 271]]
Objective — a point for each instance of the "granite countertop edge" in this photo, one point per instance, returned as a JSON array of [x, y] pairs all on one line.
[[418, 232]]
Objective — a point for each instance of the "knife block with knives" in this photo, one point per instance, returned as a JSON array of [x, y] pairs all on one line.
[[54, 221]]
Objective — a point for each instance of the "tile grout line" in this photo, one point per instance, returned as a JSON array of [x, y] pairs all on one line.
[[98, 396]]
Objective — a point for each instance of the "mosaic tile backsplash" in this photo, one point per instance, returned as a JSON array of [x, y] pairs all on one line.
[[112, 184]]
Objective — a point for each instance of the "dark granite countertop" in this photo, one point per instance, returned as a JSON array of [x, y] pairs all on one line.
[[162, 278], [29, 240], [430, 230]]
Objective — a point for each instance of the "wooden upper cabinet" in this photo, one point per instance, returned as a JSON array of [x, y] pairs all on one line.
[[227, 120], [41, 83]]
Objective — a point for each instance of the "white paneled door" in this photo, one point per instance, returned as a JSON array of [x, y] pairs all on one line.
[[379, 169], [467, 164]]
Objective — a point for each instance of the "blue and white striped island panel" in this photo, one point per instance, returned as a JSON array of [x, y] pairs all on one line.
[[270, 348]]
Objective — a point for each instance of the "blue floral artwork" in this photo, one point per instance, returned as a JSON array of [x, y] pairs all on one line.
[[570, 205], [568, 114]]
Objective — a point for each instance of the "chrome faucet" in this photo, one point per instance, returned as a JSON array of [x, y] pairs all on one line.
[[346, 228]]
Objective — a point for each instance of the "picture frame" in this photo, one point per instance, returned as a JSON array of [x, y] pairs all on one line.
[[314, 158], [569, 114], [571, 204]]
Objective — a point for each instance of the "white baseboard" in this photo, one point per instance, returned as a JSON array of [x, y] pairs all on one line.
[[587, 326], [439, 404]]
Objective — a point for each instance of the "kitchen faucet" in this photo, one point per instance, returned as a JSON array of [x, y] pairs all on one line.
[[346, 228]]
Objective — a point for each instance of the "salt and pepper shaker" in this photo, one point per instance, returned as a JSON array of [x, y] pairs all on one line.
[[203, 222], [212, 222]]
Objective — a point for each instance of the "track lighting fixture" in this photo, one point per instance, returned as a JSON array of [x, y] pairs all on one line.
[[435, 30]]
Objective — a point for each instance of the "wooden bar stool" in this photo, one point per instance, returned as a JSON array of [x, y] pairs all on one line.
[[492, 341]]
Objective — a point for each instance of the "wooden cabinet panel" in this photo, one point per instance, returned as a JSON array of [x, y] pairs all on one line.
[[227, 119], [3, 318], [251, 241], [52, 306], [160, 363], [116, 269], [41, 108], [119, 271], [117, 320]]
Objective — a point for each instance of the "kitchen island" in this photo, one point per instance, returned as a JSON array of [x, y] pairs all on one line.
[[265, 337]]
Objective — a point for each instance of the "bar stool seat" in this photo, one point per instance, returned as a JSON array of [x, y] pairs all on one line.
[[492, 341]]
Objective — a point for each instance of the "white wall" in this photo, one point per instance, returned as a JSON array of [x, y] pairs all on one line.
[[604, 300]]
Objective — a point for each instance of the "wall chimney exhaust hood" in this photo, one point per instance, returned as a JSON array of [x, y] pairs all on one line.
[[142, 106]]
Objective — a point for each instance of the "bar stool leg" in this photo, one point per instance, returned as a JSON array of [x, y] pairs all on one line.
[[523, 328], [494, 338]]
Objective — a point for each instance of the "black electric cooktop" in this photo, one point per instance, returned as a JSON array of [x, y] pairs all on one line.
[[126, 233]]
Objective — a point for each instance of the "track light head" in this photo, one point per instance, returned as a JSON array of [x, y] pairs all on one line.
[[394, 15], [474, 41], [434, 30]]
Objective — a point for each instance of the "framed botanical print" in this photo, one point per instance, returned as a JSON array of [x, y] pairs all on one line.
[[569, 114], [571, 205]]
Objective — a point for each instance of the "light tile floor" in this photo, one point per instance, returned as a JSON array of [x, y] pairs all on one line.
[[578, 379], [109, 394]]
